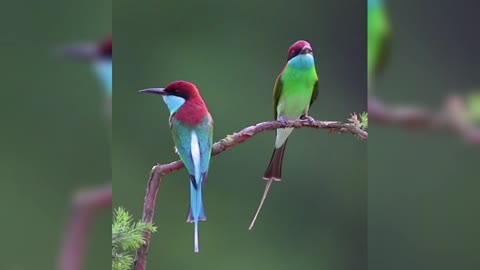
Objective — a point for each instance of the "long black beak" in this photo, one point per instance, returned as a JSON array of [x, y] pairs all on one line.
[[79, 51], [158, 91], [306, 50]]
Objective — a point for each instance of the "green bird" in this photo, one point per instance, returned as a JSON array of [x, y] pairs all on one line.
[[379, 39], [296, 88]]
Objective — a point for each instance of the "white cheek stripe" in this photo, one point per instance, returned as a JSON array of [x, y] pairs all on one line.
[[195, 151]]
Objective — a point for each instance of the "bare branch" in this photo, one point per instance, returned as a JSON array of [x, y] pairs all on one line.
[[85, 205], [158, 171], [452, 118]]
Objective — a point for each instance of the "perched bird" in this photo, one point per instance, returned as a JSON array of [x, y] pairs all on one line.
[[379, 39], [296, 88], [192, 129], [99, 55]]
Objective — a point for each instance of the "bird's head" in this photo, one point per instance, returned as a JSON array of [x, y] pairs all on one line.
[[89, 51], [181, 89], [300, 55], [300, 47], [176, 93], [98, 54]]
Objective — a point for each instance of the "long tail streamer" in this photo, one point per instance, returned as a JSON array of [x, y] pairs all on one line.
[[265, 193]]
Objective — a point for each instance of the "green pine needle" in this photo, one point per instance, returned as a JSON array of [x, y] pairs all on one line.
[[127, 237], [364, 120]]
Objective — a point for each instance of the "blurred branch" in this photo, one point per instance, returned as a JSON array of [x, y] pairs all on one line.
[[452, 118], [158, 171], [85, 205]]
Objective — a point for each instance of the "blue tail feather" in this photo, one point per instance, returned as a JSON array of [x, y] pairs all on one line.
[[191, 219], [196, 205], [196, 212]]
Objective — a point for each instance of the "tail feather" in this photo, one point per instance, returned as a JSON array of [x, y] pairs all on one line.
[[201, 217], [273, 173], [196, 205], [267, 188], [274, 169], [196, 211], [195, 238]]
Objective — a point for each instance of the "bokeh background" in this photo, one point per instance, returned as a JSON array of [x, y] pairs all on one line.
[[423, 186], [54, 136], [233, 51]]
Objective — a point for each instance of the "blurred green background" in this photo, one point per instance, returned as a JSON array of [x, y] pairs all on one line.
[[54, 136], [423, 187], [316, 217]]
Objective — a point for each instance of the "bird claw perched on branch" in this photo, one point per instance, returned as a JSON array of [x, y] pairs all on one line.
[[282, 119], [309, 119]]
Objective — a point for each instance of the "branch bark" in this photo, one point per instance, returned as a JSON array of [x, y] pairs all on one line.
[[158, 171], [452, 118], [85, 205]]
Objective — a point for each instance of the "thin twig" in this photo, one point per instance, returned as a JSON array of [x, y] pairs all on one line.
[[452, 118], [85, 205], [158, 171]]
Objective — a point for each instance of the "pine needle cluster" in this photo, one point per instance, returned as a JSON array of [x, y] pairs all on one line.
[[127, 237]]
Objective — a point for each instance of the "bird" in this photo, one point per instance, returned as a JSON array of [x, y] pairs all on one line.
[[379, 39], [295, 89], [99, 54], [192, 131]]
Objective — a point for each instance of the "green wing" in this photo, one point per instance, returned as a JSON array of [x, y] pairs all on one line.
[[205, 139], [314, 93], [182, 136], [277, 91]]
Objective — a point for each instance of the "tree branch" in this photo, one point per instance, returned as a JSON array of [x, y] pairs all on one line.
[[452, 118], [85, 204], [158, 171]]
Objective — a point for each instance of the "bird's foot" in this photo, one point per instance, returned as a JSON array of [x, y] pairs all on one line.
[[310, 119], [282, 119]]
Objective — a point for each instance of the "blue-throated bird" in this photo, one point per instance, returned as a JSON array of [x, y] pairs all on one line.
[[295, 89], [192, 130]]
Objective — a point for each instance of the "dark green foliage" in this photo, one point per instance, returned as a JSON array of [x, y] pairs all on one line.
[[127, 237]]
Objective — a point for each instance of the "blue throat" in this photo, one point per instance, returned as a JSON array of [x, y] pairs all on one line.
[[173, 103], [302, 61], [373, 3], [103, 69]]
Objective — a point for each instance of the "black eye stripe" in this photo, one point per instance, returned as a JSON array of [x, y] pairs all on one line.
[[177, 93]]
